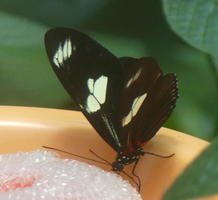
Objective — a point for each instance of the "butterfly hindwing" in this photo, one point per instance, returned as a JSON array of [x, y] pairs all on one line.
[[148, 99], [91, 75]]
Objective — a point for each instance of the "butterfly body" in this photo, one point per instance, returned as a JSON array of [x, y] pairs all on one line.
[[126, 100]]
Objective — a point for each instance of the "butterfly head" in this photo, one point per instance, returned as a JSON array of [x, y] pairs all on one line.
[[117, 166], [124, 158]]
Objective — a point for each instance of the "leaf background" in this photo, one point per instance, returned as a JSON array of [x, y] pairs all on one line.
[[196, 22]]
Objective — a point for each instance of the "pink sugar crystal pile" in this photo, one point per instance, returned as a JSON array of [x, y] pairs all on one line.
[[40, 175]]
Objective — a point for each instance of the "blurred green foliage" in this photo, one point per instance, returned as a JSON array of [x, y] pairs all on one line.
[[180, 34], [200, 179], [126, 28]]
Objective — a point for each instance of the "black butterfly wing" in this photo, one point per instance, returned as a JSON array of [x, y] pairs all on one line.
[[127, 62], [148, 99], [92, 76]]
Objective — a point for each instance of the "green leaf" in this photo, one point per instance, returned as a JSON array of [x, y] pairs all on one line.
[[54, 12], [196, 109], [26, 77], [200, 179], [196, 21], [214, 60], [121, 46], [20, 32]]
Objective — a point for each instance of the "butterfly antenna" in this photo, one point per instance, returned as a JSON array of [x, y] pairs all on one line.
[[158, 155], [83, 157], [108, 163]]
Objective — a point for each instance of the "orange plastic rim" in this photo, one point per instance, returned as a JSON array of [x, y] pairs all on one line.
[[27, 128]]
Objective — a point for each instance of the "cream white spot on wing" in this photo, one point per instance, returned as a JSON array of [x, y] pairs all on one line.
[[92, 104], [63, 52], [100, 88], [58, 56], [90, 83], [134, 78], [69, 48], [97, 95], [127, 119], [55, 60], [137, 103]]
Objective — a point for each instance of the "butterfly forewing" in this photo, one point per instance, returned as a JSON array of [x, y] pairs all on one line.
[[91, 75]]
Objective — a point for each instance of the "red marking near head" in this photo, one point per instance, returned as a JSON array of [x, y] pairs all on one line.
[[143, 144], [132, 147]]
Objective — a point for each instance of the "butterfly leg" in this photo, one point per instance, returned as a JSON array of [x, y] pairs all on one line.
[[134, 174], [131, 178]]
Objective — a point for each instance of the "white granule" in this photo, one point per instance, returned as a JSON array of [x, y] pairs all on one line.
[[40, 175]]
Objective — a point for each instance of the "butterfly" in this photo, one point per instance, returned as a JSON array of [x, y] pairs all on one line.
[[125, 99]]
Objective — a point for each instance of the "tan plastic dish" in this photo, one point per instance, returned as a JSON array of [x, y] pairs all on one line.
[[26, 128]]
